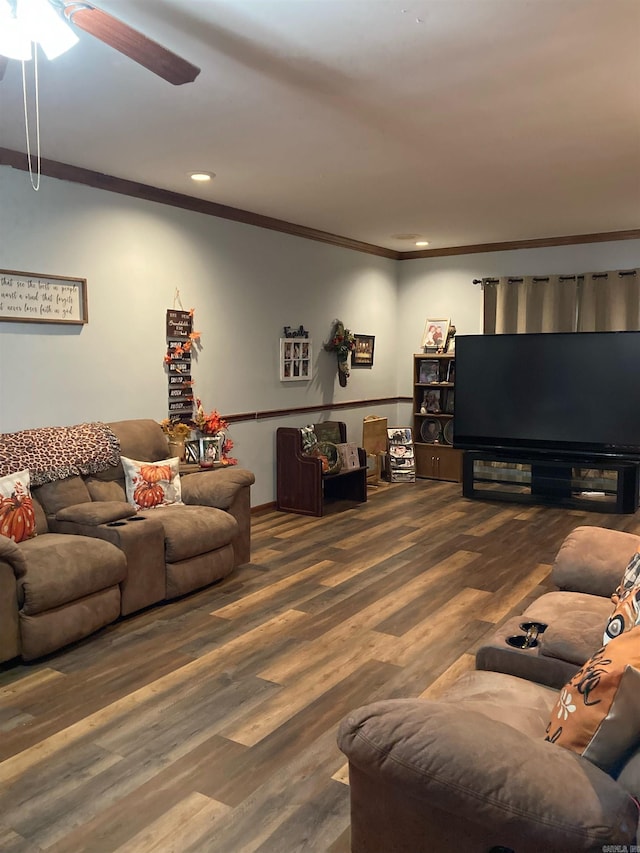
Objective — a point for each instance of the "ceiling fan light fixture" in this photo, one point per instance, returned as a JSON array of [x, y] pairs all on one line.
[[44, 26], [14, 42]]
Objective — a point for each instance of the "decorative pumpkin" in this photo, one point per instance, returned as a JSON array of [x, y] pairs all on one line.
[[148, 495], [17, 518], [155, 473]]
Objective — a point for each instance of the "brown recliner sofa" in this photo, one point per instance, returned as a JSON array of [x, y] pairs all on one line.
[[162, 553], [586, 571], [56, 589], [472, 771]]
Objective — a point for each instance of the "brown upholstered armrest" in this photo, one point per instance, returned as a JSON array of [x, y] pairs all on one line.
[[12, 554], [593, 560], [96, 512], [488, 773], [216, 488], [574, 638]]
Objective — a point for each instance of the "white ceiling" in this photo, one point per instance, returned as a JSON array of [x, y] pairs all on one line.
[[462, 121]]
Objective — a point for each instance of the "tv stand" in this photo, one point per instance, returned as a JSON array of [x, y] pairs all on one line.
[[574, 482]]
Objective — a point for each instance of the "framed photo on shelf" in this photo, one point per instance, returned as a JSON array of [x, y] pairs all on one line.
[[295, 359], [435, 335], [451, 372], [431, 401], [429, 372], [450, 402], [362, 355]]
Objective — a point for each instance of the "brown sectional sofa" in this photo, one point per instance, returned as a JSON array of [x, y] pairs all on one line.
[[94, 558], [472, 771]]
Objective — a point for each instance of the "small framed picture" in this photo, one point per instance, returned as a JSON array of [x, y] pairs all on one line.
[[211, 450], [295, 359], [192, 451], [362, 355], [435, 335], [429, 371], [431, 401]]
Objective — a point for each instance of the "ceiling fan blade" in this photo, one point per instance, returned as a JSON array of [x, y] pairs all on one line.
[[131, 43], [3, 65]]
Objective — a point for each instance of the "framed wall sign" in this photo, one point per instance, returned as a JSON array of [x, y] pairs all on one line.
[[295, 359], [31, 297]]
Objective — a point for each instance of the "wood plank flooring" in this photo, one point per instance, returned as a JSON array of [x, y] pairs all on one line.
[[208, 725]]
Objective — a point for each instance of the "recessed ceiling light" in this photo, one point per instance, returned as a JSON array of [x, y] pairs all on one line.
[[422, 242], [201, 177]]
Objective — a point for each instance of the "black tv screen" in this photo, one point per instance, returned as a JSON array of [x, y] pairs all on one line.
[[564, 392]]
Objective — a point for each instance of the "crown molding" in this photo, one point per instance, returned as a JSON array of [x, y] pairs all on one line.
[[109, 183], [540, 243]]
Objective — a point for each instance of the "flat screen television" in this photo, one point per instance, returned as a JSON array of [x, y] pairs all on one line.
[[563, 393]]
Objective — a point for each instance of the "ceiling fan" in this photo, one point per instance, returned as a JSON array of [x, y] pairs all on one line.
[[118, 35]]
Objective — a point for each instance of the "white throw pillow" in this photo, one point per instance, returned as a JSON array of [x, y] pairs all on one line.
[[152, 484]]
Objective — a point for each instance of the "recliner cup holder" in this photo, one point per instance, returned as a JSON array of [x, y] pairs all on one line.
[[528, 640], [137, 518], [116, 523]]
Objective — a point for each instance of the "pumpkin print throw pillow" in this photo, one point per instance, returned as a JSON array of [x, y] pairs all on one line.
[[17, 518], [597, 713], [152, 484]]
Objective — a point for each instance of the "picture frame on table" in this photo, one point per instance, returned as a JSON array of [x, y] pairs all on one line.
[[192, 451], [211, 450], [436, 332]]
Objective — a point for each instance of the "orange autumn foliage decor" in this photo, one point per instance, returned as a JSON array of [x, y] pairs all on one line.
[[17, 518], [212, 424]]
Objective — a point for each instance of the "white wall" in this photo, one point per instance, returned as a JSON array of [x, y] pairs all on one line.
[[245, 284]]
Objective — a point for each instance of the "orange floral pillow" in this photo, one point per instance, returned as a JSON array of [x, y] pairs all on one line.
[[152, 484], [626, 614], [630, 578], [17, 518], [597, 713]]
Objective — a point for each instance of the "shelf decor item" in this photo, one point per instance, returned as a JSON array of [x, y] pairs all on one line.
[[430, 430], [434, 338], [343, 343]]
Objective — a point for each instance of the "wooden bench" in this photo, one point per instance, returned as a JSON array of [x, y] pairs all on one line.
[[301, 485]]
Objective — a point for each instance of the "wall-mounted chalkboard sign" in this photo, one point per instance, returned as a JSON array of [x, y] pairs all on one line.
[[31, 297]]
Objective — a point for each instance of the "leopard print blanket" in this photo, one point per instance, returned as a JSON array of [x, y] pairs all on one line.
[[54, 453]]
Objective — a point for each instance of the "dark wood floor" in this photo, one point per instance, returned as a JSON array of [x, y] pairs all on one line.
[[208, 725]]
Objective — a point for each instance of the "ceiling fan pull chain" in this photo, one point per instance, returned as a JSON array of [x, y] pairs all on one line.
[[35, 184]]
